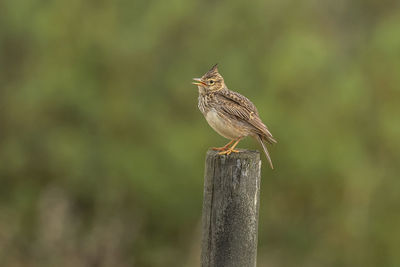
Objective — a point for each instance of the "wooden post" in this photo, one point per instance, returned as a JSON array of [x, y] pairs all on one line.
[[230, 209]]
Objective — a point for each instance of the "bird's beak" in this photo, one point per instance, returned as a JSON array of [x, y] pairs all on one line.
[[198, 81]]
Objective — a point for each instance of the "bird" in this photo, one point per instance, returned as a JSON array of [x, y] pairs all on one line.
[[230, 114]]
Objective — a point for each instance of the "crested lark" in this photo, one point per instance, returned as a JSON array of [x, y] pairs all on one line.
[[229, 113]]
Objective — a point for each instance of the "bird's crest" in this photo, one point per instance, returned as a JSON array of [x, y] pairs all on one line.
[[212, 71]]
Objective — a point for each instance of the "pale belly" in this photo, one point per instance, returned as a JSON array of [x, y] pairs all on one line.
[[224, 128]]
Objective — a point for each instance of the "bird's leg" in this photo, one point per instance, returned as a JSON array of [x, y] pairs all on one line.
[[231, 149], [224, 147]]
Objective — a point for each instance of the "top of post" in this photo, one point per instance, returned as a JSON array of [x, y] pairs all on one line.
[[242, 154]]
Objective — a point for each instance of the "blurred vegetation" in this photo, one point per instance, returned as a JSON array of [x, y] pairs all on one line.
[[102, 146]]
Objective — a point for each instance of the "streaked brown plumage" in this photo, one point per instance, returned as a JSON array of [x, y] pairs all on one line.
[[229, 113]]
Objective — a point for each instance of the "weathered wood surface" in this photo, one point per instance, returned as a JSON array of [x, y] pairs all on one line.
[[230, 209]]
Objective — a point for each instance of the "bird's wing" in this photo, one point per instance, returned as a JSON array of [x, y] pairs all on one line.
[[238, 106], [240, 100]]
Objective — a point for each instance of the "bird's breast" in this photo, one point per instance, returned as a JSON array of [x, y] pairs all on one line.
[[223, 125]]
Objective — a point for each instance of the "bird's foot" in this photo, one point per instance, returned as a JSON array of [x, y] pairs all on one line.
[[224, 148], [228, 151]]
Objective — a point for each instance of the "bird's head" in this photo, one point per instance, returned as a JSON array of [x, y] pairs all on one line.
[[210, 82]]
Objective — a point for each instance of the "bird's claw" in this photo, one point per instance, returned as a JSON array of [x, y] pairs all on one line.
[[228, 152], [224, 148], [220, 148]]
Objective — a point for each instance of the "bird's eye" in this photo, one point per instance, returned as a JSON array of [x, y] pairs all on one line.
[[211, 81]]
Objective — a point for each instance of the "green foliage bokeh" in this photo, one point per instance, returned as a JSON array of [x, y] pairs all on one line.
[[102, 146]]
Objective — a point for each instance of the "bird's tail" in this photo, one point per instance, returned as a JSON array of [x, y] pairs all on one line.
[[260, 140]]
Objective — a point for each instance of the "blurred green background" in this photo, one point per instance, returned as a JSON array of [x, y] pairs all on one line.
[[102, 146]]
